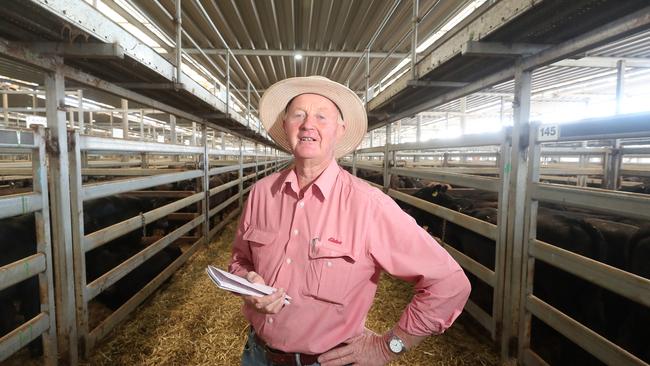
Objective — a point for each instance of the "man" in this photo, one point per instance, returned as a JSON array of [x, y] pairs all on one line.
[[323, 237]]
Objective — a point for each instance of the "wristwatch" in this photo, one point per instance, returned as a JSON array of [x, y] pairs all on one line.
[[395, 343]]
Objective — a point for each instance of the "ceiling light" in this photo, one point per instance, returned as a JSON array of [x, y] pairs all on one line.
[[297, 56]]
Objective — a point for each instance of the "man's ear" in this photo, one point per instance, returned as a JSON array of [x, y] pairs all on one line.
[[340, 131]]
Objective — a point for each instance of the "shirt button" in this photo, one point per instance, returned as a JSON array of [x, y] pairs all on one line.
[[270, 320], [295, 231], [301, 204], [288, 260], [329, 264]]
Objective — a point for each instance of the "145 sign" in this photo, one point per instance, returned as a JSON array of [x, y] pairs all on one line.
[[548, 133]]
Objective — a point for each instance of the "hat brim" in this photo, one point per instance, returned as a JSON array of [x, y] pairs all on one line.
[[276, 98]]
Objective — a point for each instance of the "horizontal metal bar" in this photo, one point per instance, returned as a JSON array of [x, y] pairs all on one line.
[[629, 204], [99, 190], [375, 168], [584, 337], [547, 150], [485, 274], [109, 278], [223, 205], [635, 150], [71, 50], [110, 144], [617, 126], [463, 141], [224, 169], [464, 180], [626, 284], [635, 172], [23, 335], [473, 224], [376, 149], [127, 172], [103, 236], [436, 84], [223, 187], [22, 269], [20, 204]]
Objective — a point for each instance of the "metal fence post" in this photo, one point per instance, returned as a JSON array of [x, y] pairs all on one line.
[[516, 200], [60, 208]]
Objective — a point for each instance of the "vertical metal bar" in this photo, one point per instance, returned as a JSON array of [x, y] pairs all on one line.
[[530, 233], [500, 262], [60, 208], [5, 108], [516, 202], [354, 162], [387, 158], [178, 20], [76, 203], [228, 84], [398, 132], [193, 133], [414, 40], [248, 104], [125, 119], [463, 116], [256, 161], [372, 138], [620, 84], [223, 140], [418, 133], [142, 125], [80, 116], [90, 122], [367, 77], [241, 173], [172, 128], [44, 245], [34, 104], [206, 183]]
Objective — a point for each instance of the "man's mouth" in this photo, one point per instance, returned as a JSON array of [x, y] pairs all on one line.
[[307, 139]]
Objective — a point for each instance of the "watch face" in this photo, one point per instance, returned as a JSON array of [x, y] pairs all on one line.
[[395, 345]]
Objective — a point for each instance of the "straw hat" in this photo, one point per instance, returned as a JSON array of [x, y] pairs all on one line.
[[275, 100]]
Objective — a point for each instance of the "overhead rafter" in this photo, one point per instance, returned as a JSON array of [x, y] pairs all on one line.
[[500, 49], [78, 50], [292, 53]]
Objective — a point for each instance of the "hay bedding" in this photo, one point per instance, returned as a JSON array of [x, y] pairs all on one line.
[[191, 322]]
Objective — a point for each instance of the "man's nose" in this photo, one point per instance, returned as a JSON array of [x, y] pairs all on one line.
[[307, 123]]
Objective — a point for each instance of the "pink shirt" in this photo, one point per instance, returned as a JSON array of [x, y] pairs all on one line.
[[327, 249]]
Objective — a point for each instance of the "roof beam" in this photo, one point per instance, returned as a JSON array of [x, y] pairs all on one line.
[[151, 86], [78, 50], [291, 53], [500, 49], [604, 62], [437, 84]]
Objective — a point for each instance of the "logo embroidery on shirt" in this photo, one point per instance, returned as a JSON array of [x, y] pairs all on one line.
[[334, 241]]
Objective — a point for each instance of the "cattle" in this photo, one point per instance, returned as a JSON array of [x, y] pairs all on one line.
[[603, 237], [20, 302], [636, 325]]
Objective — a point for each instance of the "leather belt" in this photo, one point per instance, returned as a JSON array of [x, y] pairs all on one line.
[[281, 358]]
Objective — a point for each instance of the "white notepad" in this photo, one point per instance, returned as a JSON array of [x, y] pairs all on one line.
[[233, 283]]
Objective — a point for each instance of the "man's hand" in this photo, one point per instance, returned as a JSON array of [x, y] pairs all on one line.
[[269, 304], [368, 349]]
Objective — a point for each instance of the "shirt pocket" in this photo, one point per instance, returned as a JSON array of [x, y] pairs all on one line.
[[328, 273], [261, 245]]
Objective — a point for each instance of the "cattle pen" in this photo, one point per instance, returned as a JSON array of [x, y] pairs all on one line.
[[516, 132]]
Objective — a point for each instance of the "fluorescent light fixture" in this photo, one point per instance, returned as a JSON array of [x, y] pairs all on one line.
[[297, 56]]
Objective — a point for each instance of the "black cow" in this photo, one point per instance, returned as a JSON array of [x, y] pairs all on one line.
[[635, 330], [20, 302]]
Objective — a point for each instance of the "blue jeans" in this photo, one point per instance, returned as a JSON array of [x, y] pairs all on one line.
[[255, 355]]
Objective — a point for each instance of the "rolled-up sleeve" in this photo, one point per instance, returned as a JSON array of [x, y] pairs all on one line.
[[241, 262], [406, 251]]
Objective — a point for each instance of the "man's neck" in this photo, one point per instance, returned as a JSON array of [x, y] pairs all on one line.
[[307, 171]]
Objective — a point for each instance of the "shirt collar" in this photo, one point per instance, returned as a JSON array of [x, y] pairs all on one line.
[[322, 184]]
